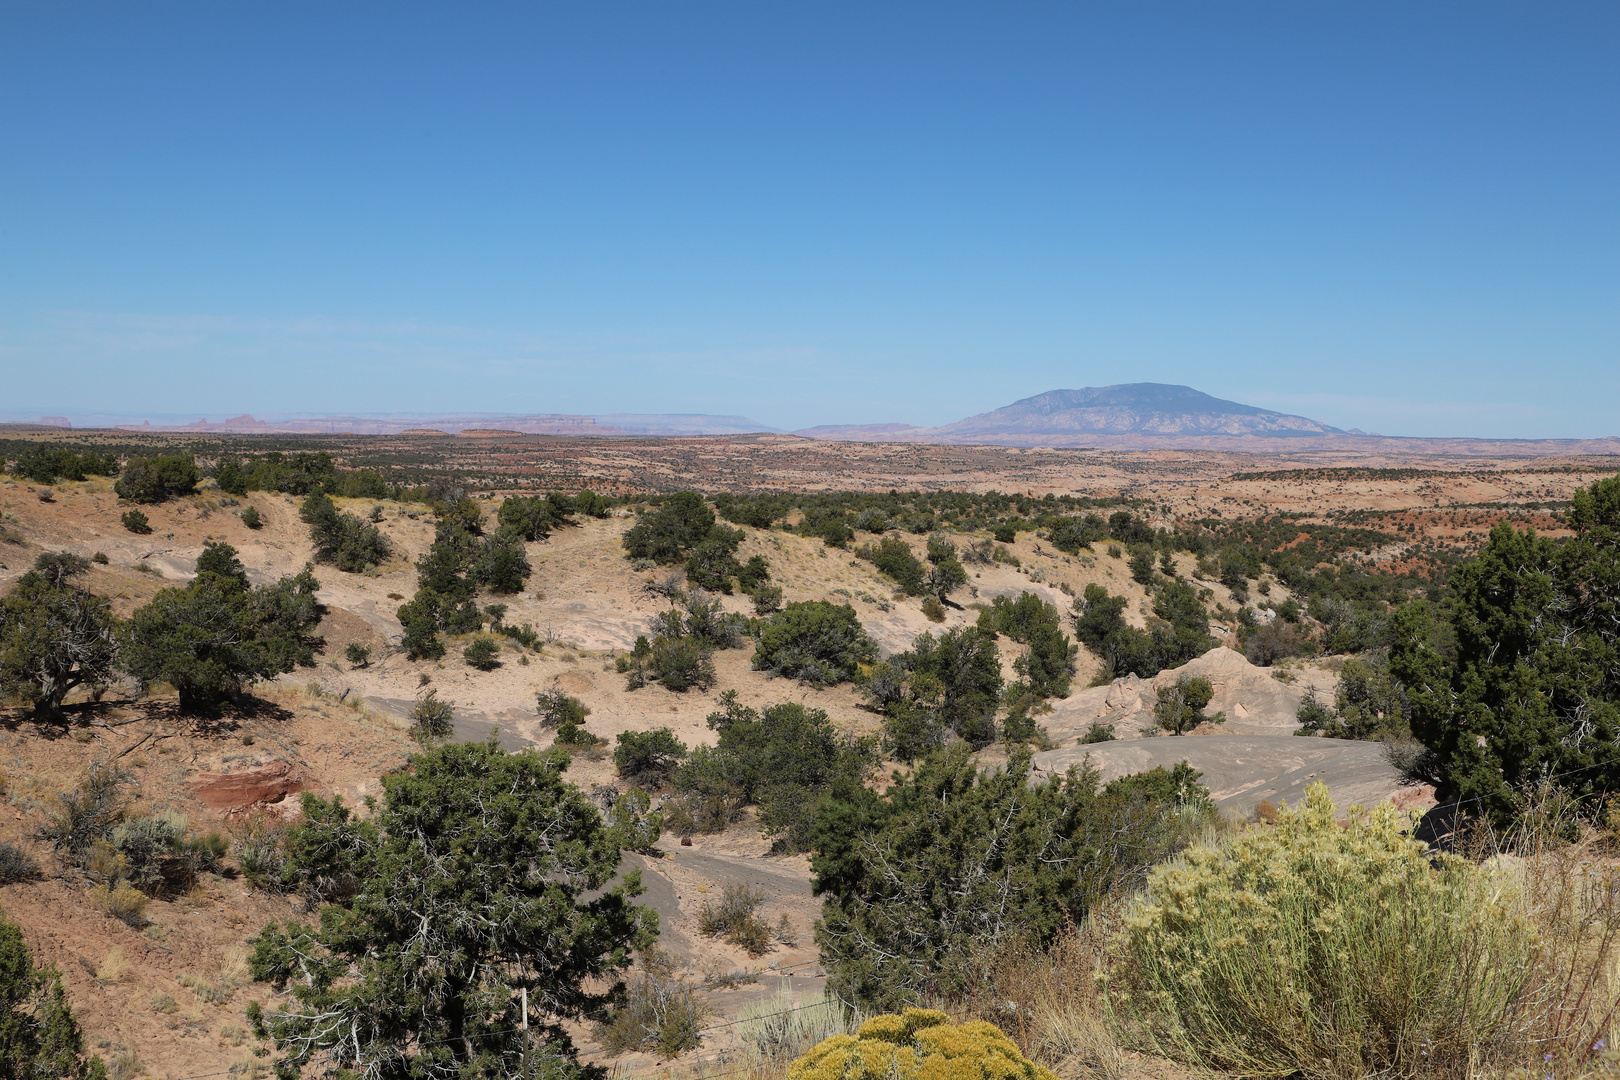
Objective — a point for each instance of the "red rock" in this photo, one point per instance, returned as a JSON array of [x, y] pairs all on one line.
[[243, 789]]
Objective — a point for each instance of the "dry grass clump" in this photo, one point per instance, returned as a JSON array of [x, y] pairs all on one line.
[[121, 901], [1048, 1001], [1317, 949], [735, 918], [661, 1012], [782, 1028]]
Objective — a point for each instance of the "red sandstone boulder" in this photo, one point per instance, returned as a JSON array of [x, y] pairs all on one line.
[[243, 789]]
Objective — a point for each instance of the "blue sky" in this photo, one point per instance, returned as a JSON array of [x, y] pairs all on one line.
[[1398, 217]]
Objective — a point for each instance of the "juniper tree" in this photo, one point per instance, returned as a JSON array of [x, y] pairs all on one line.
[[54, 635], [482, 880], [39, 1037], [216, 636], [1525, 691]]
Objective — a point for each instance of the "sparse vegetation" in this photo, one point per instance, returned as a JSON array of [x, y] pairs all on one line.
[[735, 917], [136, 522], [660, 1012], [16, 865]]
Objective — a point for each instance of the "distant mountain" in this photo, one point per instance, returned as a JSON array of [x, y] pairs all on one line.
[[1131, 414], [1128, 409]]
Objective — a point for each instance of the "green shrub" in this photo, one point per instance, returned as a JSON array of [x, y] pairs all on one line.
[[217, 636], [647, 758], [666, 534], [524, 635], [767, 598], [357, 655], [136, 522], [529, 517], [1276, 640], [572, 733], [39, 1036], [342, 539], [591, 504], [1098, 732], [917, 882], [252, 518], [894, 558], [556, 708], [47, 465], [1324, 950], [483, 654], [636, 826], [1180, 706], [951, 684], [478, 873], [1178, 632], [681, 664], [431, 718], [55, 635], [157, 479], [16, 865], [713, 560], [918, 1044], [815, 642], [782, 760]]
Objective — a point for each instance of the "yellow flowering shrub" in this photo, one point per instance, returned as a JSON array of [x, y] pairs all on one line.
[[918, 1044], [1322, 949]]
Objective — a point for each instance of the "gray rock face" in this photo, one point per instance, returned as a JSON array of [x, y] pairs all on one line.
[[1254, 756]]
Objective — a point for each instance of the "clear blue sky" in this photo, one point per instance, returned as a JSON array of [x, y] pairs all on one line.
[[1400, 217]]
